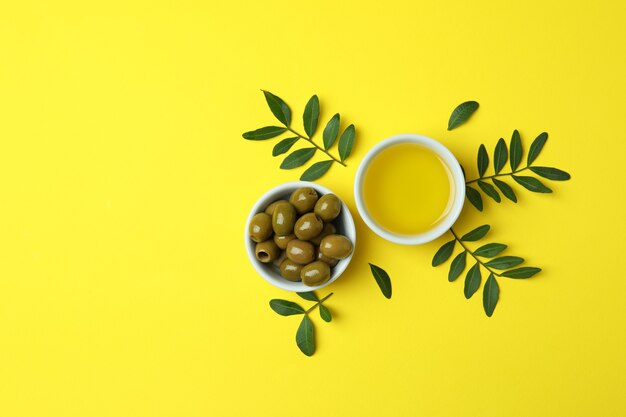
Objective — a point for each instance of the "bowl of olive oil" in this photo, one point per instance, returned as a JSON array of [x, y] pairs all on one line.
[[409, 189]]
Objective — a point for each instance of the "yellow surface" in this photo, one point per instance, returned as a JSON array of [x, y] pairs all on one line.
[[407, 189], [124, 285]]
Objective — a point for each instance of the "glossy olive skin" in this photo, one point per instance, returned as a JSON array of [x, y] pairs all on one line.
[[281, 241], [267, 251], [303, 199], [300, 251], [315, 273], [308, 226], [284, 218], [290, 270], [328, 229], [260, 227], [336, 246], [330, 261], [270, 209], [328, 207]]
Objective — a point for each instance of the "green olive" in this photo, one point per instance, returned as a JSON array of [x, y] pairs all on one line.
[[303, 199], [281, 241], [330, 261], [270, 209], [300, 251], [260, 227], [315, 273], [308, 226], [283, 218], [267, 251], [328, 207], [281, 257], [290, 270], [329, 229], [336, 246]]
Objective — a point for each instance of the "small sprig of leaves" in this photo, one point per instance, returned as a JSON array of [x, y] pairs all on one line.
[[305, 335], [486, 257], [513, 154], [310, 119]]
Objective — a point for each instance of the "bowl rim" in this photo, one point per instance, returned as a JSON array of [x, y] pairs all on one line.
[[458, 179], [274, 194]]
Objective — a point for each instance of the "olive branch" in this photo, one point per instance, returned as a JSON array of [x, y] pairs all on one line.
[[310, 119], [473, 277], [514, 156], [305, 335]]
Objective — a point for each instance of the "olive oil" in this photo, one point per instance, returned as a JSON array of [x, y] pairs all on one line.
[[407, 189]]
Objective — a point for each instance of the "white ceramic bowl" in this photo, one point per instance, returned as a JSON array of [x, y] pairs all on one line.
[[457, 178], [344, 224]]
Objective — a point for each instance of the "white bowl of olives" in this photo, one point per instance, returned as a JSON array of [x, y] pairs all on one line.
[[300, 236]]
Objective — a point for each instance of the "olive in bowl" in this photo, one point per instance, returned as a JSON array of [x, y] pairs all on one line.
[[299, 265]]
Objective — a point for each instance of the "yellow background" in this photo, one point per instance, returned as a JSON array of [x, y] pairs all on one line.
[[125, 184]]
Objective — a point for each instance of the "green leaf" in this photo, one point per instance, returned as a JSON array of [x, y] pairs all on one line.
[[331, 131], [489, 190], [553, 174], [505, 189], [382, 279], [474, 197], [308, 295], [316, 170], [472, 281], [443, 253], [325, 313], [311, 115], [521, 273], [482, 160], [463, 171], [536, 147], [500, 155], [457, 266], [476, 234], [279, 108], [505, 262], [283, 146], [305, 336], [461, 113], [346, 141], [263, 133], [491, 291], [531, 184], [285, 308], [516, 150], [490, 250], [297, 158]]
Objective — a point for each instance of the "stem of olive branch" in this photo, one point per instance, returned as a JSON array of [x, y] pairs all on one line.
[[316, 145], [472, 254], [318, 303], [497, 175]]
